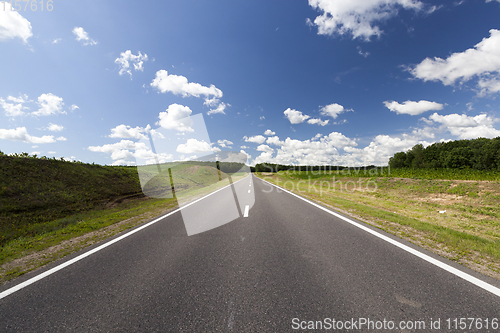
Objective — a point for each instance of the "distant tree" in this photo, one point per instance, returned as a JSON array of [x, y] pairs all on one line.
[[398, 160]]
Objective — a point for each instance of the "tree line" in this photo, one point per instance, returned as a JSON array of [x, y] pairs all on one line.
[[479, 154]]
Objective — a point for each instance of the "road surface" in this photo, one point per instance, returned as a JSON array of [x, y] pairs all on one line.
[[288, 265]]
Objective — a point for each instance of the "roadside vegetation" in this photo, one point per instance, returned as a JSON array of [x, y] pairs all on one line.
[[445, 198], [51, 207], [458, 219]]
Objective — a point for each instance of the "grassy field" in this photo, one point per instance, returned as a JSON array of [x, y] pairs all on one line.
[[50, 208], [438, 209]]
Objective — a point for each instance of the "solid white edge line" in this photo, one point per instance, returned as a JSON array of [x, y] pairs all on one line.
[[480, 283], [247, 208], [88, 253]]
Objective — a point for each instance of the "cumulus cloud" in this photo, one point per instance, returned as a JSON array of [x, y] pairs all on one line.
[[255, 139], [294, 116], [274, 140], [176, 117], [82, 36], [269, 132], [13, 25], [55, 128], [126, 151], [318, 121], [358, 18], [179, 85], [128, 132], [292, 151], [21, 134], [14, 106], [333, 110], [481, 62], [467, 127], [337, 149], [225, 143], [126, 58], [244, 152], [413, 108], [194, 146], [265, 148], [218, 109], [380, 149], [50, 104]]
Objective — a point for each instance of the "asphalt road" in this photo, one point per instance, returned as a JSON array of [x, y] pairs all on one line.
[[286, 264]]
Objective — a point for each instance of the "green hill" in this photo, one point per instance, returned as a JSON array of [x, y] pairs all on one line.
[[35, 191], [38, 194]]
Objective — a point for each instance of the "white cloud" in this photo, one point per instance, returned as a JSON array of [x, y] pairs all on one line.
[[269, 132], [255, 139], [73, 107], [413, 108], [333, 110], [361, 53], [262, 117], [55, 128], [50, 104], [179, 85], [14, 106], [225, 143], [219, 109], [294, 116], [265, 148], [318, 121], [83, 36], [482, 61], [274, 140], [380, 149], [357, 17], [126, 58], [21, 134], [194, 146], [324, 149], [467, 127], [61, 138], [128, 132], [125, 152], [244, 152], [12, 24], [176, 117], [56, 40]]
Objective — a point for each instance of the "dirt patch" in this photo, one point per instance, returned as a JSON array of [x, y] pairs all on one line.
[[192, 169]]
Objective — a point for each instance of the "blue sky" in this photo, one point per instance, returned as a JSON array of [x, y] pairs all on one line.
[[342, 82]]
